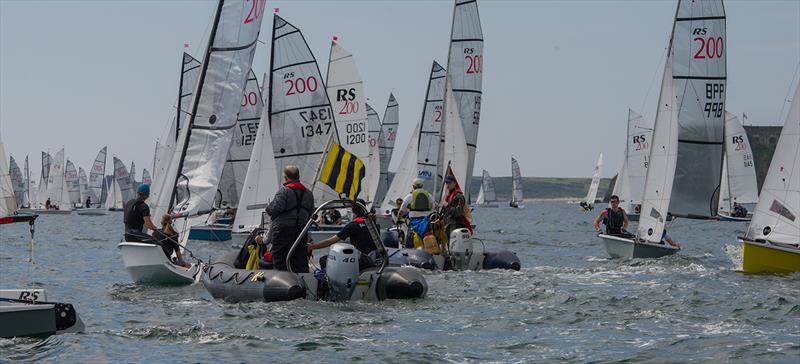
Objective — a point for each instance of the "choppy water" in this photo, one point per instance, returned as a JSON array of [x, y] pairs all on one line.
[[568, 303]]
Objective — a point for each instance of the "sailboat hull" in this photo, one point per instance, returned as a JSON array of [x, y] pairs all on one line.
[[769, 258], [211, 232], [618, 247], [147, 264], [724, 217], [51, 212]]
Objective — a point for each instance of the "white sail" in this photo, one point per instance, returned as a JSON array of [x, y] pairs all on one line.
[[244, 135], [17, 181], [28, 196], [348, 99], [465, 74], [487, 185], [374, 172], [630, 181], [598, 170], [428, 158], [195, 168], [72, 181], [8, 203], [146, 179], [261, 181], [725, 204], [777, 214], [481, 199], [404, 176], [697, 50], [84, 186], [55, 181], [455, 151], [389, 127], [97, 176], [123, 181], [739, 171], [516, 182], [165, 148], [300, 114], [114, 199], [43, 178]]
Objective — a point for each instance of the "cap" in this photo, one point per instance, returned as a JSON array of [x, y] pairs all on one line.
[[417, 183], [145, 188], [449, 179]]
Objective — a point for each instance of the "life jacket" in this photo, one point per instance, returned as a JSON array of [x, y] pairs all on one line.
[[295, 187], [420, 200], [614, 220]]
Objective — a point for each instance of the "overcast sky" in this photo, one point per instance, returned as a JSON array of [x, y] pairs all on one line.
[[558, 76]]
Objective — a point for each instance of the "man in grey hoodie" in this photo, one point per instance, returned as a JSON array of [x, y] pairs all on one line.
[[289, 211]]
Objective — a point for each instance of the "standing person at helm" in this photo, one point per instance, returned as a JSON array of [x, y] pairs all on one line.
[[614, 218], [417, 205], [137, 216], [290, 210]]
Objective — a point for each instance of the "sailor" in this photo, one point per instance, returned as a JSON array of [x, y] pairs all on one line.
[[739, 210], [88, 202], [137, 216], [290, 210], [614, 218], [330, 217], [667, 239], [47, 204], [454, 209], [395, 212], [356, 230], [417, 206], [586, 206], [168, 238]]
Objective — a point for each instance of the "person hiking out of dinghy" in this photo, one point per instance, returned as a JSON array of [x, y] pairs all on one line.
[[454, 209], [356, 230], [137, 216], [667, 239], [614, 218], [168, 238], [417, 206], [289, 210]]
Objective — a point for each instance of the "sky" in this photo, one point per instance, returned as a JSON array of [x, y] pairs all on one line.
[[559, 76]]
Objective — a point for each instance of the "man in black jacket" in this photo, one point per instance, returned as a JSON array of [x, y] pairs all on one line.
[[289, 211]]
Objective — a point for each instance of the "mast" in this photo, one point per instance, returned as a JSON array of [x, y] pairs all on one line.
[[195, 103]]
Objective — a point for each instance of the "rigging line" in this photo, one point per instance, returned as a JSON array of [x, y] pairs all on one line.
[[655, 74]]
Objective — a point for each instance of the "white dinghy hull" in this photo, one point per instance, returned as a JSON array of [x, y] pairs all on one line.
[[618, 247], [147, 264]]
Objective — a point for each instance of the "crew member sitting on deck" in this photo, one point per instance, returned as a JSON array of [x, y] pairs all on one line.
[[167, 237], [739, 210], [614, 218], [137, 216], [666, 238], [359, 236], [417, 205]]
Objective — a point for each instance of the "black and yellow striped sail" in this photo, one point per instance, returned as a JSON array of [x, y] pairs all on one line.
[[342, 171]]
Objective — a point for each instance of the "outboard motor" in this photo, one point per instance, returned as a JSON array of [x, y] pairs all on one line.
[[342, 271], [460, 249]]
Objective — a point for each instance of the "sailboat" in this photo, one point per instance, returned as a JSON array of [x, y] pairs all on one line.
[[772, 241], [56, 191], [17, 181], [389, 127], [114, 201], [486, 195], [738, 186], [72, 182], [373, 175], [588, 203], [516, 185], [630, 180], [191, 178], [28, 312], [685, 165]]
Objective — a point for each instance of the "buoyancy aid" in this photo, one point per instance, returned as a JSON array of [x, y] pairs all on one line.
[[420, 200], [614, 220]]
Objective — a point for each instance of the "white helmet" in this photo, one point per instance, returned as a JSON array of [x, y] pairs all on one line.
[[418, 183]]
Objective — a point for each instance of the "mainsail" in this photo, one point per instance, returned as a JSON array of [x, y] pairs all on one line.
[[133, 174], [598, 170], [697, 53], [630, 183], [300, 115], [123, 181], [114, 199], [55, 182], [428, 167], [244, 135], [777, 214], [146, 179], [374, 174], [465, 75], [97, 175], [389, 127], [43, 178], [455, 150], [73, 183], [487, 187], [347, 98], [84, 186], [738, 183], [687, 137], [17, 181], [192, 177], [8, 203], [516, 182], [404, 176]]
